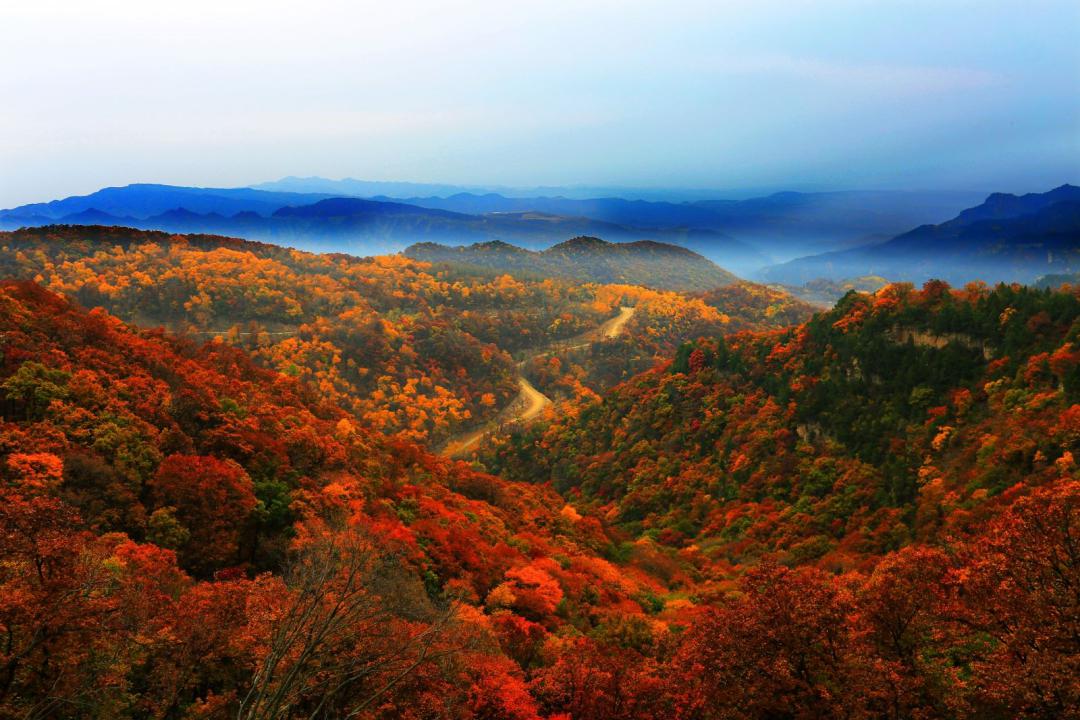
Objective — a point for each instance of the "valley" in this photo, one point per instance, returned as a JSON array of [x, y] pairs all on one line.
[[562, 360], [481, 477], [531, 402]]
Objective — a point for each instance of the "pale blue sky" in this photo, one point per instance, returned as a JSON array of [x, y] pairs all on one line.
[[960, 94]]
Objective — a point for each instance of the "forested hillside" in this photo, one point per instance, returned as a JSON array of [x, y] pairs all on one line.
[[408, 348], [709, 301], [188, 535], [150, 484], [662, 321], [898, 417], [871, 513], [648, 361]]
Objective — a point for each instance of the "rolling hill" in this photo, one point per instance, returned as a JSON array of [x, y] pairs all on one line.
[[589, 259]]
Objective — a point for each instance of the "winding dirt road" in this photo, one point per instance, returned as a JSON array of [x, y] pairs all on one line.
[[530, 402], [535, 401], [611, 328]]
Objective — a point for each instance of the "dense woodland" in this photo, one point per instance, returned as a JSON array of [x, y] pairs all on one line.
[[408, 348], [218, 499], [896, 417], [661, 324]]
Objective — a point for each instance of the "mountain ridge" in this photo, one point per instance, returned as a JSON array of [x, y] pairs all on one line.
[[325, 223], [741, 234], [144, 200], [1005, 238], [645, 262]]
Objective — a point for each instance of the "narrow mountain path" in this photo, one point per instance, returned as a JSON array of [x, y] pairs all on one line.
[[535, 401], [614, 326], [530, 402]]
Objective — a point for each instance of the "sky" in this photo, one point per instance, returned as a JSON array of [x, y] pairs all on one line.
[[828, 94]]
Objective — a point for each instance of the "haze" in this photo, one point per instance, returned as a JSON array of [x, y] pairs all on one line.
[[810, 95]]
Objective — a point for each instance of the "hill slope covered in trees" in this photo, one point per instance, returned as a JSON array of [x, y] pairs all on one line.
[[588, 259], [839, 439], [186, 534], [409, 348], [872, 513], [153, 483]]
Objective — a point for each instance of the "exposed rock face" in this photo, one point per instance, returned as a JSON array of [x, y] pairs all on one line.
[[924, 338]]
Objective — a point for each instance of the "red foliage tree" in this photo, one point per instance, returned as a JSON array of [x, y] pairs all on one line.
[[783, 649], [1020, 590], [588, 680], [212, 499]]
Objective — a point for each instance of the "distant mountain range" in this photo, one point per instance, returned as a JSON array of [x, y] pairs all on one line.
[[782, 225], [743, 235], [589, 259], [372, 188], [346, 224], [1006, 238], [833, 235], [146, 200]]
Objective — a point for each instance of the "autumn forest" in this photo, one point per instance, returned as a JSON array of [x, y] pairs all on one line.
[[557, 360], [246, 481]]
